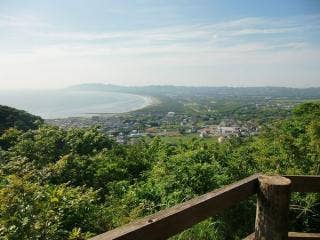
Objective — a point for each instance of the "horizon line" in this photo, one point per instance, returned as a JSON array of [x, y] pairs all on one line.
[[153, 85]]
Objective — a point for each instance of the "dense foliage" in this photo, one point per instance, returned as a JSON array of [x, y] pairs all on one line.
[[11, 117], [72, 184]]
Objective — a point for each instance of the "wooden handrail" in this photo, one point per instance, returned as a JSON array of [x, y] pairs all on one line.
[[294, 236], [303, 236], [171, 221], [304, 183]]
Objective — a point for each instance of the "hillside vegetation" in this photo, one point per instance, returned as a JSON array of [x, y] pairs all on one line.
[[11, 117], [76, 183]]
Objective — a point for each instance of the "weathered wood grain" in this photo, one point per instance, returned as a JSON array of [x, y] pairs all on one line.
[[272, 208], [250, 237], [302, 236], [304, 183], [294, 236]]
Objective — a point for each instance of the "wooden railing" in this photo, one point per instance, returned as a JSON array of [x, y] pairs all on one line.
[[273, 194]]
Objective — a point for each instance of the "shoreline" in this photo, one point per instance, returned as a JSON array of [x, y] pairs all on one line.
[[53, 104], [148, 102]]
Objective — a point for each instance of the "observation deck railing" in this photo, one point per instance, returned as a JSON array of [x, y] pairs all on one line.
[[273, 196]]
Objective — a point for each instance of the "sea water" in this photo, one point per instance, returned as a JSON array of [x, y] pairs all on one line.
[[50, 104]]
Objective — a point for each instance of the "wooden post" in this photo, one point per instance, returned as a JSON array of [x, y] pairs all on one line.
[[272, 208]]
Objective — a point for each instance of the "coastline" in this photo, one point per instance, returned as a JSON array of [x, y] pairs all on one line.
[[148, 102], [39, 103]]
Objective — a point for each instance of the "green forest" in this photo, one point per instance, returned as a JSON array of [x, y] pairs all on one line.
[[76, 183]]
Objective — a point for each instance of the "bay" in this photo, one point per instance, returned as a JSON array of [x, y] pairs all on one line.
[[51, 104]]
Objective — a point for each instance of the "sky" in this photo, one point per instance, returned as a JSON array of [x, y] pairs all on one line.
[[58, 43]]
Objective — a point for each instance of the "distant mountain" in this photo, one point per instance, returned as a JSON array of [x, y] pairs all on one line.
[[219, 92], [11, 117]]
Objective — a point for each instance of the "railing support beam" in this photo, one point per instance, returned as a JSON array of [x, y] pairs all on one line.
[[272, 208]]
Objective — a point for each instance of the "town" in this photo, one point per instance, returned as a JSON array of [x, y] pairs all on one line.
[[127, 128], [184, 116]]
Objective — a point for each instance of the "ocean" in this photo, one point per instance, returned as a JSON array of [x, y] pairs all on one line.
[[51, 104]]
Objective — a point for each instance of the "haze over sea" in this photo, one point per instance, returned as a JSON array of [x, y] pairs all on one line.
[[50, 104]]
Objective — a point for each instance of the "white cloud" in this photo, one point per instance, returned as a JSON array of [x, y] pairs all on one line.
[[172, 33], [248, 51], [22, 21]]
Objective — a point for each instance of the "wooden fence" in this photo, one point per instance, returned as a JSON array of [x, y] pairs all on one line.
[[273, 195]]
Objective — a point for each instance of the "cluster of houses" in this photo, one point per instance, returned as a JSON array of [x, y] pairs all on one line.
[[216, 131], [125, 129], [222, 132]]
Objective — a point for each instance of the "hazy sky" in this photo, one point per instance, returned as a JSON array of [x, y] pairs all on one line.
[[49, 43]]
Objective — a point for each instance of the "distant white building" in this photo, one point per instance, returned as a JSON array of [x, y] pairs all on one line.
[[205, 132], [218, 131], [221, 139], [171, 114], [225, 131]]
